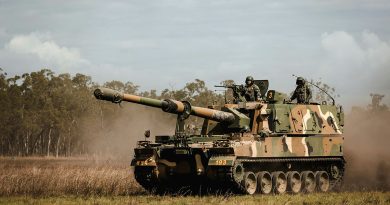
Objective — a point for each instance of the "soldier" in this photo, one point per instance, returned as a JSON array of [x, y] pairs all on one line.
[[302, 92], [251, 91]]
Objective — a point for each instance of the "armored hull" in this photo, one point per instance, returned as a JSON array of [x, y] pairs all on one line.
[[249, 147]]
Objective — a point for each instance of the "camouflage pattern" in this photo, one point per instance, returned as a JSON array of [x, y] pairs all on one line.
[[252, 93], [241, 143]]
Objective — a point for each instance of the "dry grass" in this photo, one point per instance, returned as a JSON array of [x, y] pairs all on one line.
[[90, 181], [74, 176], [331, 199]]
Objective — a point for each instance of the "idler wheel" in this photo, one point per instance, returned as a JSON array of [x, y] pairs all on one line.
[[334, 171], [323, 182], [250, 183], [279, 181], [264, 182], [238, 173], [294, 183], [308, 182]]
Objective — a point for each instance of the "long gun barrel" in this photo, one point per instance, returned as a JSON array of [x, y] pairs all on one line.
[[167, 105], [233, 86]]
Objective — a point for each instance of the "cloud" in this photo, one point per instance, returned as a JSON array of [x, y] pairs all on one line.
[[3, 32], [343, 49], [361, 63], [47, 50]]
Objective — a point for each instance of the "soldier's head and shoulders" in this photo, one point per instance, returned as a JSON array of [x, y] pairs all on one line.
[[302, 92], [250, 83], [251, 90], [302, 85]]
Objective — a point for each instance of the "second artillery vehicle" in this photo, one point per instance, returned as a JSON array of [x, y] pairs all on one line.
[[267, 146]]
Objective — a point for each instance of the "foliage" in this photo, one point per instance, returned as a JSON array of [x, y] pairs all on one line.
[[42, 113], [319, 90]]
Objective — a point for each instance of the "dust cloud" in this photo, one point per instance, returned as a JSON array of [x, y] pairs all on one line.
[[114, 137], [367, 141]]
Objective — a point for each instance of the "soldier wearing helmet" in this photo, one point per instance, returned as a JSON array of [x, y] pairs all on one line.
[[302, 92], [251, 91]]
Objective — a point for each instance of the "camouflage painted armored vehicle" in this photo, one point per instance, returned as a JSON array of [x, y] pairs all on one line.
[[269, 146]]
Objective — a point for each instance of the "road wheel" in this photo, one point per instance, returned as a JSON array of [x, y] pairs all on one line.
[[264, 183], [322, 180], [250, 183], [294, 183], [308, 182], [279, 182]]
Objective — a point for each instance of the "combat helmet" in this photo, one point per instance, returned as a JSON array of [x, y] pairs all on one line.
[[249, 80], [300, 81]]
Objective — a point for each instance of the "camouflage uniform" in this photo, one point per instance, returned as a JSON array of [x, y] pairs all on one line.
[[251, 91], [302, 92]]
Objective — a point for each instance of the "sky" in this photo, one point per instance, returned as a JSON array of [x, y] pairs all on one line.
[[160, 44]]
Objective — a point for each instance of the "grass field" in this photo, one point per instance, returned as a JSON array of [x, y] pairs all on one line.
[[331, 198], [91, 181], [66, 176]]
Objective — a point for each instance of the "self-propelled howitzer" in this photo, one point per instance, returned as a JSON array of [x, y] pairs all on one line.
[[267, 146]]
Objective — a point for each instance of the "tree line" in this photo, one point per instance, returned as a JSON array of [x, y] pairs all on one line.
[[45, 114]]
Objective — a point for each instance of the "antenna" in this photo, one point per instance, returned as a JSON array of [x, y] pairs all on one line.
[[333, 101]]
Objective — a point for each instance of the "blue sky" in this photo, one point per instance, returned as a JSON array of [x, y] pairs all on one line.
[[166, 43]]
